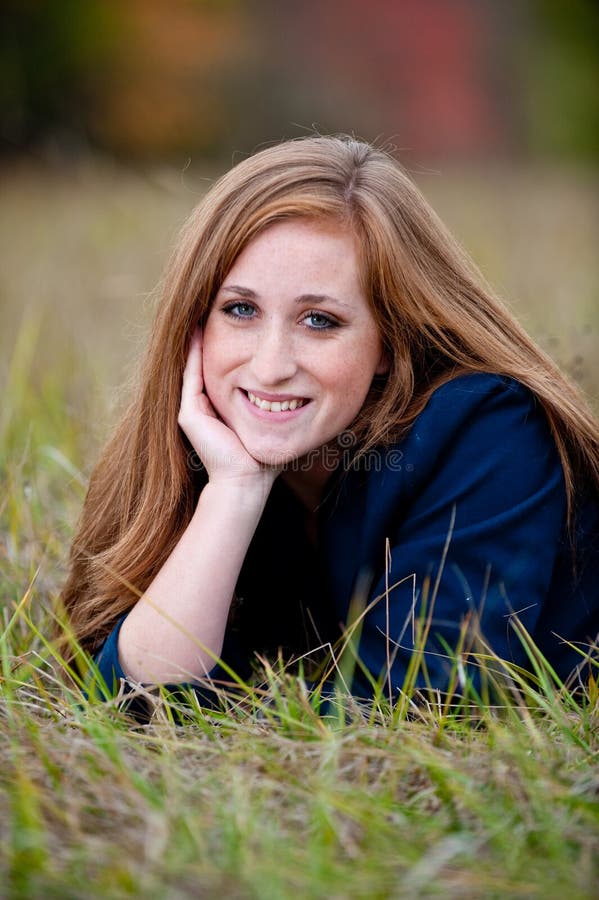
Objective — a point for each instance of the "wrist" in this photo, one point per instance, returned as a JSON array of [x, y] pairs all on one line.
[[248, 493]]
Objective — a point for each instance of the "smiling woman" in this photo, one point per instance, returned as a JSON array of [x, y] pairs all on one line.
[[366, 415]]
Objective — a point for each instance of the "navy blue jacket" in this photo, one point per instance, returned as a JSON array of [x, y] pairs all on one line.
[[472, 508]]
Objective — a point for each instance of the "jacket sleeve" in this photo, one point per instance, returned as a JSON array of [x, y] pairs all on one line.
[[474, 515], [112, 677]]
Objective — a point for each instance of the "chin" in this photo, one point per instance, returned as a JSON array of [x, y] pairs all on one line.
[[275, 456]]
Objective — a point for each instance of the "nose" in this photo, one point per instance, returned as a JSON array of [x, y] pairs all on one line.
[[274, 359]]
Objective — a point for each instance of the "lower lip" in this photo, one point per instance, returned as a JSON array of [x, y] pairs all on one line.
[[273, 417]]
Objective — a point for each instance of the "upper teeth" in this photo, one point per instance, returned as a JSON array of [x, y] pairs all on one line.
[[275, 405]]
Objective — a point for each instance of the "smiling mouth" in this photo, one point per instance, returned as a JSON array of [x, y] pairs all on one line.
[[276, 406]]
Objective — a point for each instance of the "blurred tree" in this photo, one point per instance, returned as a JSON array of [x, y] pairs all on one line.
[[559, 61], [166, 91], [52, 57]]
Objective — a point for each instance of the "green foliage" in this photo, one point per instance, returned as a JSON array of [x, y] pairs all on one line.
[[560, 68], [269, 799], [52, 57]]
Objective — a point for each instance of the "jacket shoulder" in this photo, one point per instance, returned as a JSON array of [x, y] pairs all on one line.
[[479, 407], [472, 390], [476, 433]]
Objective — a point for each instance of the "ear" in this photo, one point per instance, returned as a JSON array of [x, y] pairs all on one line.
[[384, 364]]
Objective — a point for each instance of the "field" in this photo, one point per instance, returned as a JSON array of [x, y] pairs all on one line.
[[267, 800]]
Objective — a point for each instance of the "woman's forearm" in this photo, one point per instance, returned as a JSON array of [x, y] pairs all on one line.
[[176, 630]]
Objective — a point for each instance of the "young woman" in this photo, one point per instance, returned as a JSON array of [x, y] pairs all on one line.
[[334, 406]]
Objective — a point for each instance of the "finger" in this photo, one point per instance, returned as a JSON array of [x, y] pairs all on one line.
[[193, 382]]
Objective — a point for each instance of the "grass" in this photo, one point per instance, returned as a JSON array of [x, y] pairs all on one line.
[[266, 799]]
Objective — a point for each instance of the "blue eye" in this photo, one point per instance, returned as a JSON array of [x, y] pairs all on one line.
[[319, 321], [240, 310]]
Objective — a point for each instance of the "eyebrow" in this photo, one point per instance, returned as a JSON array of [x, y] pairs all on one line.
[[249, 294]]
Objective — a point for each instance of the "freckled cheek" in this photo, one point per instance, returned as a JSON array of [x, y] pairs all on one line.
[[351, 368], [222, 352]]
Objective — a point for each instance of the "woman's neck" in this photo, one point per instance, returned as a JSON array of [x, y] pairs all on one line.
[[307, 481]]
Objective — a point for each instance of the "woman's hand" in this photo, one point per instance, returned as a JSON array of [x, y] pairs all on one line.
[[175, 632], [218, 447]]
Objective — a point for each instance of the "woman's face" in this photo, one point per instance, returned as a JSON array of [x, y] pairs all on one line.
[[290, 345]]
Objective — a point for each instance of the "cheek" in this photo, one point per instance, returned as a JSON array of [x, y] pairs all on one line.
[[218, 350], [209, 368], [209, 341], [350, 372], [347, 388], [213, 361]]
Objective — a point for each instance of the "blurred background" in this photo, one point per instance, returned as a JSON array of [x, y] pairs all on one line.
[[115, 115]]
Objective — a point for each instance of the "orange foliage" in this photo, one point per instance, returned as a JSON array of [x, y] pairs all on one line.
[[165, 90]]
